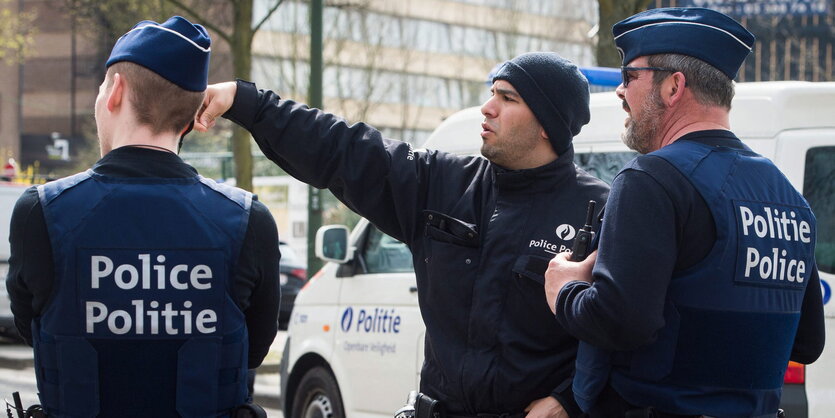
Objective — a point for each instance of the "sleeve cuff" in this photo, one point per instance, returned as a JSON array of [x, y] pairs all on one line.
[[567, 294], [244, 108], [564, 394]]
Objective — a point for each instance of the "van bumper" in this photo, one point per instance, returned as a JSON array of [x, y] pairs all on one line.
[[794, 401], [284, 374]]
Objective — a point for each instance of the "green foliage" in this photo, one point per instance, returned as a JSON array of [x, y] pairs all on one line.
[[16, 33], [87, 153], [215, 140], [230, 21], [112, 18]]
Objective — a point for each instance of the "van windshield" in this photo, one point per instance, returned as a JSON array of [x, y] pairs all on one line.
[[384, 254], [604, 165], [819, 191]]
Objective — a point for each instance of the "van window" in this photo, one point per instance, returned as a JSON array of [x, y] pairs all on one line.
[[819, 191], [384, 254], [604, 165]]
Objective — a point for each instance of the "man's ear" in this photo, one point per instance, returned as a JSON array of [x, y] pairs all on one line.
[[115, 98], [543, 134], [672, 91]]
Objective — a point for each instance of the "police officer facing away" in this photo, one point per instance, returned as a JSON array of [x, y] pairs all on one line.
[[146, 289], [481, 230], [705, 283]]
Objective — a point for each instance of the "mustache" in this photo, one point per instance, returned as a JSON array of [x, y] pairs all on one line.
[[625, 105]]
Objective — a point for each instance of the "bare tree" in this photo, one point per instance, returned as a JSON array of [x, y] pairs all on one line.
[[357, 85], [239, 37], [111, 17]]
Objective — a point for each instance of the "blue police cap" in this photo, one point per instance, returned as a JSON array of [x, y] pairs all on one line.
[[697, 32], [177, 50]]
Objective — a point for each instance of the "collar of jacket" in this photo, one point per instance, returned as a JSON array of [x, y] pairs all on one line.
[[539, 179], [143, 162]]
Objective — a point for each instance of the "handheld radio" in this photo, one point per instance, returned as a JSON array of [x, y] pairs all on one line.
[[582, 242]]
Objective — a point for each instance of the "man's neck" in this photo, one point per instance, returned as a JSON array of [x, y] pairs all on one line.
[[542, 155], [143, 137], [692, 119]]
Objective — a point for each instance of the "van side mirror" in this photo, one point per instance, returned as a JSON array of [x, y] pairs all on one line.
[[332, 244]]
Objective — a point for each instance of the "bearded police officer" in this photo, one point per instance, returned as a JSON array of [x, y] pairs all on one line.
[[481, 230], [146, 289], [705, 284]]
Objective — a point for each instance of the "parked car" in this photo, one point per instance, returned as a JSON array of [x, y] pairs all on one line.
[[293, 273], [7, 327]]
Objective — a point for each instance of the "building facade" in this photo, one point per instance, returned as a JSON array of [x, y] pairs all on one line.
[[795, 38], [403, 66], [47, 99], [56, 89]]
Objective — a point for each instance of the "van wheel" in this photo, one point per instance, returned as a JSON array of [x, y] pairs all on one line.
[[317, 396]]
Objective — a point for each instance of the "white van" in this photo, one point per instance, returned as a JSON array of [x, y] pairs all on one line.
[[355, 343]]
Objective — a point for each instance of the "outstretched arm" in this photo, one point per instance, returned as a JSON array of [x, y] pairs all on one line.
[[383, 180]]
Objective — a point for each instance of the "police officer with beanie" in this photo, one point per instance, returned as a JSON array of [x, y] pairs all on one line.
[[145, 289], [481, 229], [705, 283]]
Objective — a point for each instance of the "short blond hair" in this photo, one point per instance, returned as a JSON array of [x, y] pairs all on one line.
[[158, 103]]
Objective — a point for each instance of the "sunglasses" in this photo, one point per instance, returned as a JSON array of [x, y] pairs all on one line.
[[624, 72]]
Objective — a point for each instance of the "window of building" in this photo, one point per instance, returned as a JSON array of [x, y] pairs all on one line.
[[579, 9], [362, 26]]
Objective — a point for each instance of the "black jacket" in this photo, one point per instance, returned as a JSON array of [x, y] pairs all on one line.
[[481, 238]]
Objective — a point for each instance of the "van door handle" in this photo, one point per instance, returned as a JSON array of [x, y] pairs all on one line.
[[413, 289]]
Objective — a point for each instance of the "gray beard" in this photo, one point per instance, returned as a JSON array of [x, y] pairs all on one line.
[[641, 134]]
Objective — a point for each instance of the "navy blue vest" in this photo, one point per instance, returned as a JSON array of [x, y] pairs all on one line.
[[141, 322], [730, 321]]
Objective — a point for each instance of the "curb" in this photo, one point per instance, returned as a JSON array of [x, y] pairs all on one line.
[[269, 368], [16, 357], [268, 401], [16, 363]]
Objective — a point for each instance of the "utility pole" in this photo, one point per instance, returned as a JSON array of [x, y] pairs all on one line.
[[314, 99]]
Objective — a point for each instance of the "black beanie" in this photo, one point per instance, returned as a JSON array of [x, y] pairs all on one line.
[[554, 89]]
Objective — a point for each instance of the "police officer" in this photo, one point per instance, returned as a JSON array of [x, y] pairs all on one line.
[[145, 289], [705, 284], [481, 230]]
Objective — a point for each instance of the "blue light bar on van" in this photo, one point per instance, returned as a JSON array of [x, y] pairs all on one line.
[[602, 76], [597, 76]]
